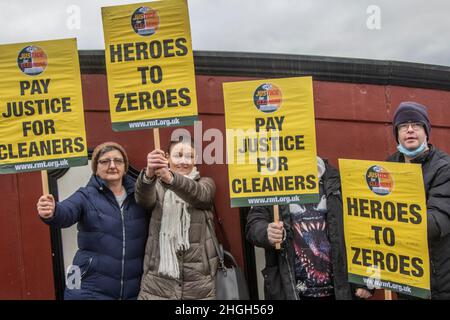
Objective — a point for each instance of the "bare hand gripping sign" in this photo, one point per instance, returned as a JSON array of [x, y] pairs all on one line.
[[149, 63], [41, 115], [385, 223], [271, 142]]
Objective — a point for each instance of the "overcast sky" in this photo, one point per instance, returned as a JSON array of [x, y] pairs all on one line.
[[402, 30]]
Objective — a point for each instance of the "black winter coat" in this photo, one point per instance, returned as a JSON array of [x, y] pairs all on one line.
[[436, 177], [279, 277]]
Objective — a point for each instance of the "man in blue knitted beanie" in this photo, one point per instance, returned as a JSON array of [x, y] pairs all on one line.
[[411, 126]]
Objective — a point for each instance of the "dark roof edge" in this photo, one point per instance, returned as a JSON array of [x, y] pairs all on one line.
[[246, 64]]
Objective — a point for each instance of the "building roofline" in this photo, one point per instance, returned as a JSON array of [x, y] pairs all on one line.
[[268, 65]]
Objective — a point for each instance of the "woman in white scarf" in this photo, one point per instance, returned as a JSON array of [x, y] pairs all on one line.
[[183, 264]]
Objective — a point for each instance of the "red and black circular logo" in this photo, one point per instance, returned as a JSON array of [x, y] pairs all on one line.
[[379, 180], [32, 60], [145, 21], [267, 98]]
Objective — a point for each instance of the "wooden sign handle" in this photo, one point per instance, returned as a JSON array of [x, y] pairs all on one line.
[[44, 179], [156, 138], [387, 295], [276, 219]]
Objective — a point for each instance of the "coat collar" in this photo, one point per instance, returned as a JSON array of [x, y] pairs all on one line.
[[98, 183], [422, 158]]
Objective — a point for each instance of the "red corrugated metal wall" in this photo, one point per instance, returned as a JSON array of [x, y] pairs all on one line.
[[352, 122]]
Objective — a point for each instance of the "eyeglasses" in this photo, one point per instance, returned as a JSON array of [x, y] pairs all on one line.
[[107, 162], [414, 125]]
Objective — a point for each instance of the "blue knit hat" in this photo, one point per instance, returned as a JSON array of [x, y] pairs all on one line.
[[409, 111]]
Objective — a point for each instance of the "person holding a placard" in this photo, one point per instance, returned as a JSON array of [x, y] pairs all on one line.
[[311, 264], [412, 127], [112, 229], [180, 260]]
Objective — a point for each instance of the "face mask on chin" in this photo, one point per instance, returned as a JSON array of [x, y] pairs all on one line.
[[412, 153]]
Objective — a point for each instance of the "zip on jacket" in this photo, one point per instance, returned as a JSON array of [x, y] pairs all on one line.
[[123, 250], [284, 252], [122, 217], [292, 282]]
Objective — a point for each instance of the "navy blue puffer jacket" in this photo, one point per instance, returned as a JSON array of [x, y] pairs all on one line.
[[111, 245]]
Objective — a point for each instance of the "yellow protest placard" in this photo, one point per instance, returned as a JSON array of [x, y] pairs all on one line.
[[271, 142], [385, 223], [150, 66], [41, 107]]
